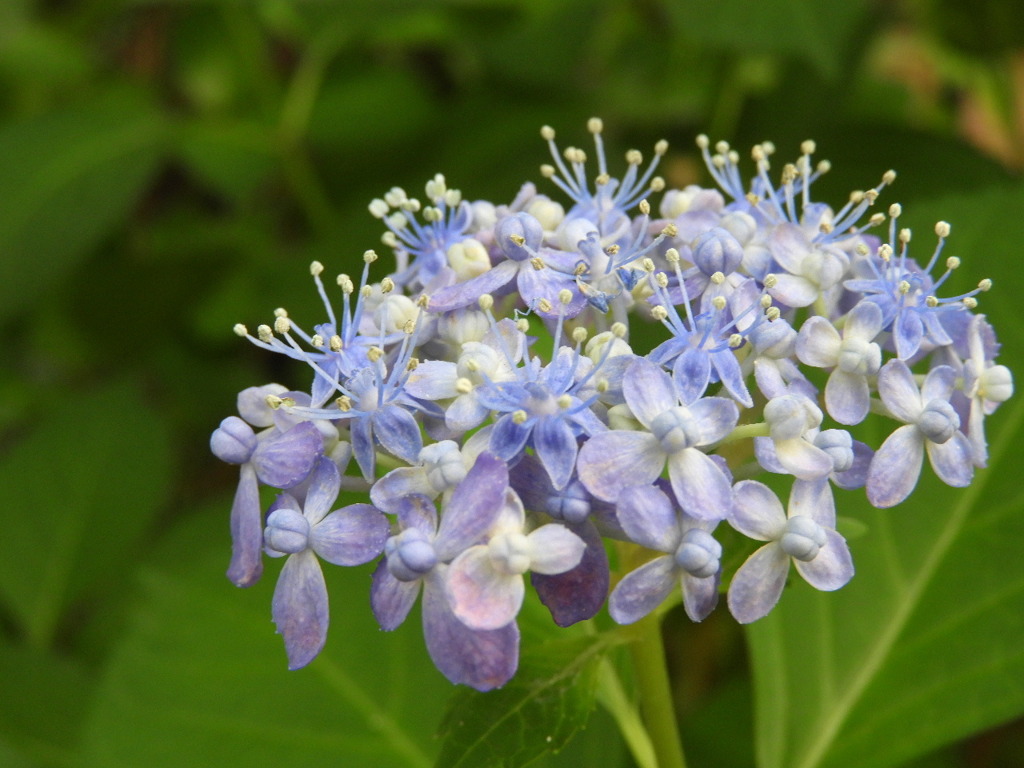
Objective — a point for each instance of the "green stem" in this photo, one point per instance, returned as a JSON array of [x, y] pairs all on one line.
[[613, 697], [743, 431], [648, 653]]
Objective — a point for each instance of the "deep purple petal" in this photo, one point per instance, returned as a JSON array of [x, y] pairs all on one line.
[[613, 460], [896, 467], [857, 475], [299, 608], [390, 598], [363, 447], [352, 535], [577, 594], [757, 585], [246, 565], [508, 439], [642, 590], [480, 659]]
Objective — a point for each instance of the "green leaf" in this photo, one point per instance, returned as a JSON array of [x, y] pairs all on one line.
[[923, 647], [200, 678], [80, 489], [546, 703], [66, 179]]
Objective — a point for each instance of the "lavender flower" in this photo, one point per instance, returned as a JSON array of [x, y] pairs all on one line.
[[352, 535], [805, 534], [931, 425]]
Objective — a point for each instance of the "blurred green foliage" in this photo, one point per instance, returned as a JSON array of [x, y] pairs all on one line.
[[170, 168]]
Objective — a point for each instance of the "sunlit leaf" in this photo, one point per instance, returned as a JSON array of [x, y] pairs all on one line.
[[545, 704]]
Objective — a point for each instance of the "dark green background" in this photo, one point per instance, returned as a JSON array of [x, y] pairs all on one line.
[[170, 168]]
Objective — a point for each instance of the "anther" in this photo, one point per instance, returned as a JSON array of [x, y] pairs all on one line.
[[904, 236], [895, 211], [672, 256], [547, 170], [595, 125], [387, 285], [619, 330], [370, 256], [366, 291], [240, 330], [485, 302], [280, 312], [903, 287], [658, 312], [544, 305], [264, 333], [931, 301], [773, 314], [662, 279], [661, 147], [702, 141], [463, 386], [413, 364], [523, 324], [579, 334], [889, 176], [520, 416], [564, 401], [547, 132], [970, 302], [808, 147], [517, 240], [374, 354], [335, 343], [985, 285], [317, 340], [647, 264], [718, 303], [770, 280], [344, 403], [717, 278], [315, 268], [537, 263], [645, 207], [565, 297], [273, 402], [942, 228], [735, 340], [952, 262]]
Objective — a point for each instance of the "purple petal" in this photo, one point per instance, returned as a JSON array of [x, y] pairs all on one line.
[[863, 322], [648, 390], [352, 535], [813, 499], [896, 467], [700, 596], [465, 413], [555, 444], [642, 590], [464, 294], [938, 384], [285, 459], [480, 596], [757, 585], [757, 511], [899, 392], [508, 439], [794, 291], [397, 430], [325, 482], [388, 492], [610, 461], [832, 568], [536, 284], [802, 458], [433, 380], [857, 475], [390, 598], [417, 511], [907, 333], [361, 433], [481, 660], [818, 343], [475, 504], [953, 460], [847, 397], [246, 565], [764, 452], [577, 594], [701, 488], [691, 374], [556, 549], [299, 608], [716, 417], [648, 518], [731, 375]]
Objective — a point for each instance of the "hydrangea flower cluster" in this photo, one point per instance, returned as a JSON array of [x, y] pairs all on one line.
[[537, 380]]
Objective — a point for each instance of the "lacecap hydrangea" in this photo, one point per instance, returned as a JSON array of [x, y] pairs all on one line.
[[538, 378]]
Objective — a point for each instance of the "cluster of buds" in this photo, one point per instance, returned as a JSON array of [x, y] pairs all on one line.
[[540, 379]]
